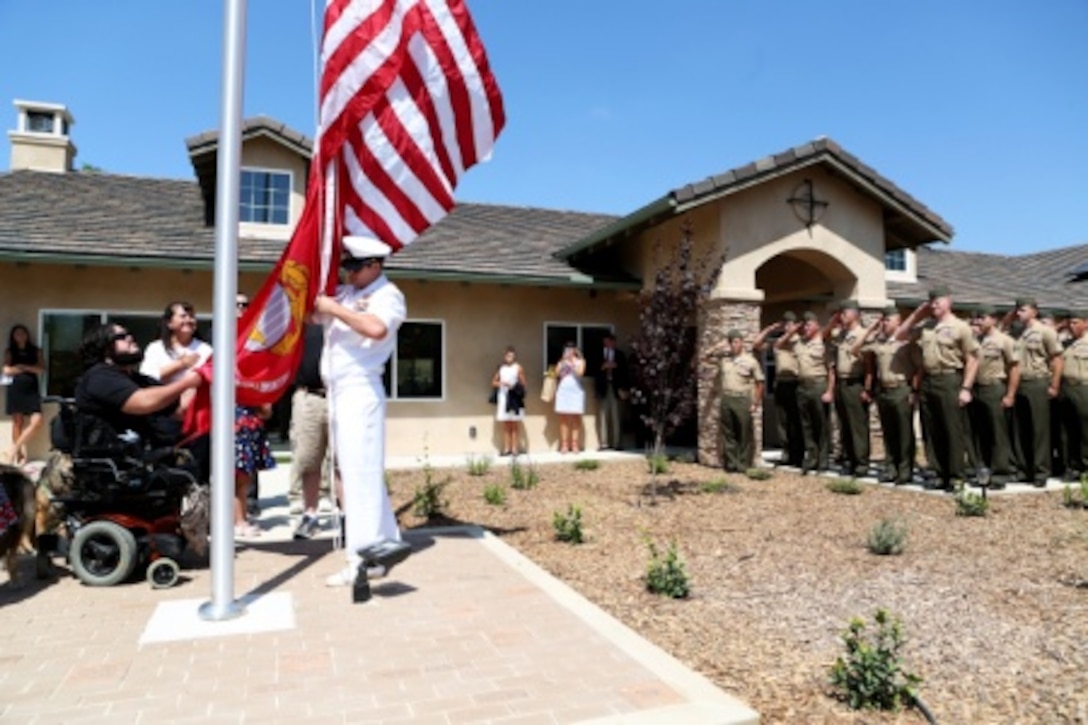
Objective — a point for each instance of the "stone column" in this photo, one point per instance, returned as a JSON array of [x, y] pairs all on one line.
[[717, 317]]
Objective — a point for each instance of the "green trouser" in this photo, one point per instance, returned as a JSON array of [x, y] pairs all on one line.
[[925, 415], [1075, 423], [897, 424], [1059, 445], [813, 414], [943, 425], [853, 425], [991, 425], [1033, 417], [788, 420], [737, 433]]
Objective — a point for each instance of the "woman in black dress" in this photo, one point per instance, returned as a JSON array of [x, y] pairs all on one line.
[[23, 364]]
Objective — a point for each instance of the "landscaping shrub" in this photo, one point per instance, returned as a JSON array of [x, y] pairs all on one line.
[[665, 575], [495, 494], [871, 675], [568, 526], [888, 538], [587, 464], [522, 477], [479, 466], [758, 474], [846, 486]]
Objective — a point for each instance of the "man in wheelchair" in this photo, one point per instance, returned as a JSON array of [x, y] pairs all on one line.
[[116, 452], [112, 389]]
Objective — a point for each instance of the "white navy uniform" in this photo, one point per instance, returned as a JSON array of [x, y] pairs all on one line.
[[352, 367]]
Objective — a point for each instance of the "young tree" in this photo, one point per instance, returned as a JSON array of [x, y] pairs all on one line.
[[664, 361]]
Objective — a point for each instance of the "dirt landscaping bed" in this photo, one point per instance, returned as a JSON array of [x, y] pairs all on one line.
[[995, 609]]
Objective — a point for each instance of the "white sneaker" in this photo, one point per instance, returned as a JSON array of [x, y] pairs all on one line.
[[324, 505], [296, 507], [346, 576]]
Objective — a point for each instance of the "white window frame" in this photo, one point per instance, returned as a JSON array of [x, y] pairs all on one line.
[[392, 364], [578, 341], [910, 274], [290, 195]]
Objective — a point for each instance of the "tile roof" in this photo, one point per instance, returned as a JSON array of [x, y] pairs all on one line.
[[254, 126], [806, 154], [927, 225], [161, 221], [976, 277]]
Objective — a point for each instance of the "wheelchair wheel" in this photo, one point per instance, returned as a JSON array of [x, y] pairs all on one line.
[[103, 553], [162, 573]]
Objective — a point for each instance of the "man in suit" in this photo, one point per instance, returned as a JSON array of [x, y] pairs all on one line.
[[611, 386]]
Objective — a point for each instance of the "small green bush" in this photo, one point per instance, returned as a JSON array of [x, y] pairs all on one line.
[[971, 504], [720, 485], [495, 494], [428, 502], [657, 463], [1076, 497], [665, 575], [523, 478], [758, 474], [871, 675], [888, 537], [846, 486], [587, 464], [568, 526], [479, 466]]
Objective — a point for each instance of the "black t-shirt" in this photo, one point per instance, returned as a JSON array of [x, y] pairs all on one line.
[[309, 370], [103, 390]]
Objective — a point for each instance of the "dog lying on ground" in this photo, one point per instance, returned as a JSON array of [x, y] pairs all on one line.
[[20, 492]]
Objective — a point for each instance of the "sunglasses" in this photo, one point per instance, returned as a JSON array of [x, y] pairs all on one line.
[[242, 304], [118, 336], [354, 265]]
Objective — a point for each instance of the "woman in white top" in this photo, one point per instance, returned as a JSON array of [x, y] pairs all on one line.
[[178, 348], [570, 398], [510, 408]]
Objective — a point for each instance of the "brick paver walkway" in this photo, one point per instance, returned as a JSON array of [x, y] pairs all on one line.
[[466, 630]]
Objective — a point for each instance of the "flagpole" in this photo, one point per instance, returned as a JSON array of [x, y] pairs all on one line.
[[225, 329]]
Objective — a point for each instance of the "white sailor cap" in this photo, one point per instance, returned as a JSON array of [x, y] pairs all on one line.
[[366, 248]]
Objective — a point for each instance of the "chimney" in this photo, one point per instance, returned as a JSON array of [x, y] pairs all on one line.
[[41, 142]]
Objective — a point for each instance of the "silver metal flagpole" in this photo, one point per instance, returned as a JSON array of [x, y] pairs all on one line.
[[223, 605]]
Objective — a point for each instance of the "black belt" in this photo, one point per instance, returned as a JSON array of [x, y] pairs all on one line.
[[312, 391], [852, 381]]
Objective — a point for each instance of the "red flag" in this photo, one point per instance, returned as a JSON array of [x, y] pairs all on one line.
[[408, 104]]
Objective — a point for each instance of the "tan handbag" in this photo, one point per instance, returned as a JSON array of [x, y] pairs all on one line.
[[547, 390]]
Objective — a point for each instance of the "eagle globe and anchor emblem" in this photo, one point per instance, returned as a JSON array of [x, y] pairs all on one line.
[[279, 326]]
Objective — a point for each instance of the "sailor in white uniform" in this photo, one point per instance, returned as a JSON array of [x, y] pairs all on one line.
[[361, 324]]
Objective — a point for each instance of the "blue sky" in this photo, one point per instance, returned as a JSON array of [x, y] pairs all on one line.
[[978, 109]]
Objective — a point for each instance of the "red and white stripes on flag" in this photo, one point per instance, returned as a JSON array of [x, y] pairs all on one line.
[[407, 105]]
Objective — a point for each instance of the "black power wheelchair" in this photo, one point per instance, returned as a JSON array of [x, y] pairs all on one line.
[[115, 503]]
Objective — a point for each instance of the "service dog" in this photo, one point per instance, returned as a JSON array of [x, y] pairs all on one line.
[[19, 490]]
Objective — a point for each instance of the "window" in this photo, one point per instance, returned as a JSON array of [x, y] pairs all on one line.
[[588, 338], [39, 122], [62, 333], [265, 197], [896, 260], [900, 265], [416, 370]]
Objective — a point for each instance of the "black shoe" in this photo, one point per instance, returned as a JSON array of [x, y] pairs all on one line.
[[1039, 483], [307, 527], [385, 553]]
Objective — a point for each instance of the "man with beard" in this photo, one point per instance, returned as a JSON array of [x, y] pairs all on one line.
[[111, 388]]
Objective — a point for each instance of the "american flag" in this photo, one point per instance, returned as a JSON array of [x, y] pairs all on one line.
[[408, 104]]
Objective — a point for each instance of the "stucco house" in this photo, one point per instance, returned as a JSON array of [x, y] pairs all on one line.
[[799, 230]]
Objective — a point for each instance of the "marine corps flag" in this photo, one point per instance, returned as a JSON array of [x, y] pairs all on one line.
[[408, 103]]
